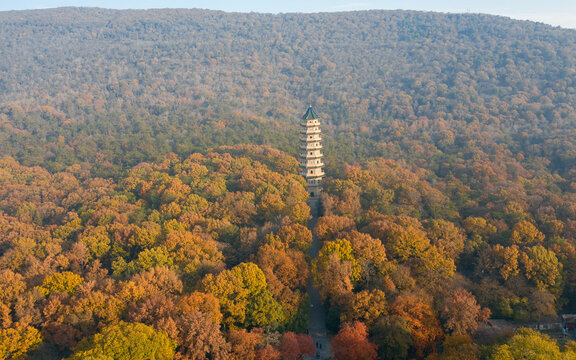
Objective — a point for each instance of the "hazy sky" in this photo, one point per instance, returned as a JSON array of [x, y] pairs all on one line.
[[555, 12]]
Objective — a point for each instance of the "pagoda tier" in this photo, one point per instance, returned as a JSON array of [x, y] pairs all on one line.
[[311, 158], [310, 146], [310, 123], [313, 173], [310, 138], [312, 163], [311, 130]]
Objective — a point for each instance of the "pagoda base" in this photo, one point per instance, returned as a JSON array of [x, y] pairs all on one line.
[[314, 204]]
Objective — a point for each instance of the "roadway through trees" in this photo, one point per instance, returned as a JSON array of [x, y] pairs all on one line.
[[317, 316]]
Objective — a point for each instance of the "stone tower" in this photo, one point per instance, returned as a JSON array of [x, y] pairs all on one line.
[[311, 158]]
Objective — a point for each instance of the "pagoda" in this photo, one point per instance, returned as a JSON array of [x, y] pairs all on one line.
[[311, 161]]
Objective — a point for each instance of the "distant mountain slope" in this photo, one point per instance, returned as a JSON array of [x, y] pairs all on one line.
[[383, 71]]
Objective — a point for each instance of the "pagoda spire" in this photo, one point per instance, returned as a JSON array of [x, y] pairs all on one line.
[[311, 158]]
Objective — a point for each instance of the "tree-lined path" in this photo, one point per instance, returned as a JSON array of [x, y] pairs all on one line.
[[317, 316]]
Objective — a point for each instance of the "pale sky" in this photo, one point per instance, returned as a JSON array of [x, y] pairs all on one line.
[[554, 12]]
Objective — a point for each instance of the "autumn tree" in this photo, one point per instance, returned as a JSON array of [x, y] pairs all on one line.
[[97, 240], [157, 311], [499, 261], [284, 268], [351, 343], [366, 306], [479, 227], [15, 343], [11, 285], [542, 305], [287, 273], [407, 242], [205, 303], [525, 233], [245, 344], [479, 232], [295, 236], [268, 352], [335, 270], [145, 284], [127, 341], [296, 346], [448, 238], [462, 314], [457, 347], [370, 254], [425, 327], [329, 227], [529, 344], [542, 267], [200, 338], [343, 251], [193, 254]]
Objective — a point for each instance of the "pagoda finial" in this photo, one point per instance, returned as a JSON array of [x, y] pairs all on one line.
[[310, 114]]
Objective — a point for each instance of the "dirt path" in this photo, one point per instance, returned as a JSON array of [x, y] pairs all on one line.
[[317, 317]]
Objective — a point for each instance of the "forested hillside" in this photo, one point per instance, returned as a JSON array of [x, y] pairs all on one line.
[[189, 246], [413, 85], [149, 190]]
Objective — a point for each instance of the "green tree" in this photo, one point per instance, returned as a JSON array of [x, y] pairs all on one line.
[[130, 341], [392, 335], [263, 310], [528, 344], [244, 297]]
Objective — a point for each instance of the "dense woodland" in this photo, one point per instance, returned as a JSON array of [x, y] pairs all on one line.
[[150, 196]]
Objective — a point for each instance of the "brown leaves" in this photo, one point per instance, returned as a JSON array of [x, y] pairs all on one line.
[[329, 227], [245, 344], [156, 311], [206, 303], [422, 319], [462, 313], [295, 346], [351, 343], [11, 285], [200, 338], [366, 306]]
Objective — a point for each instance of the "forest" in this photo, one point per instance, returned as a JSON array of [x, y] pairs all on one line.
[[151, 205]]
